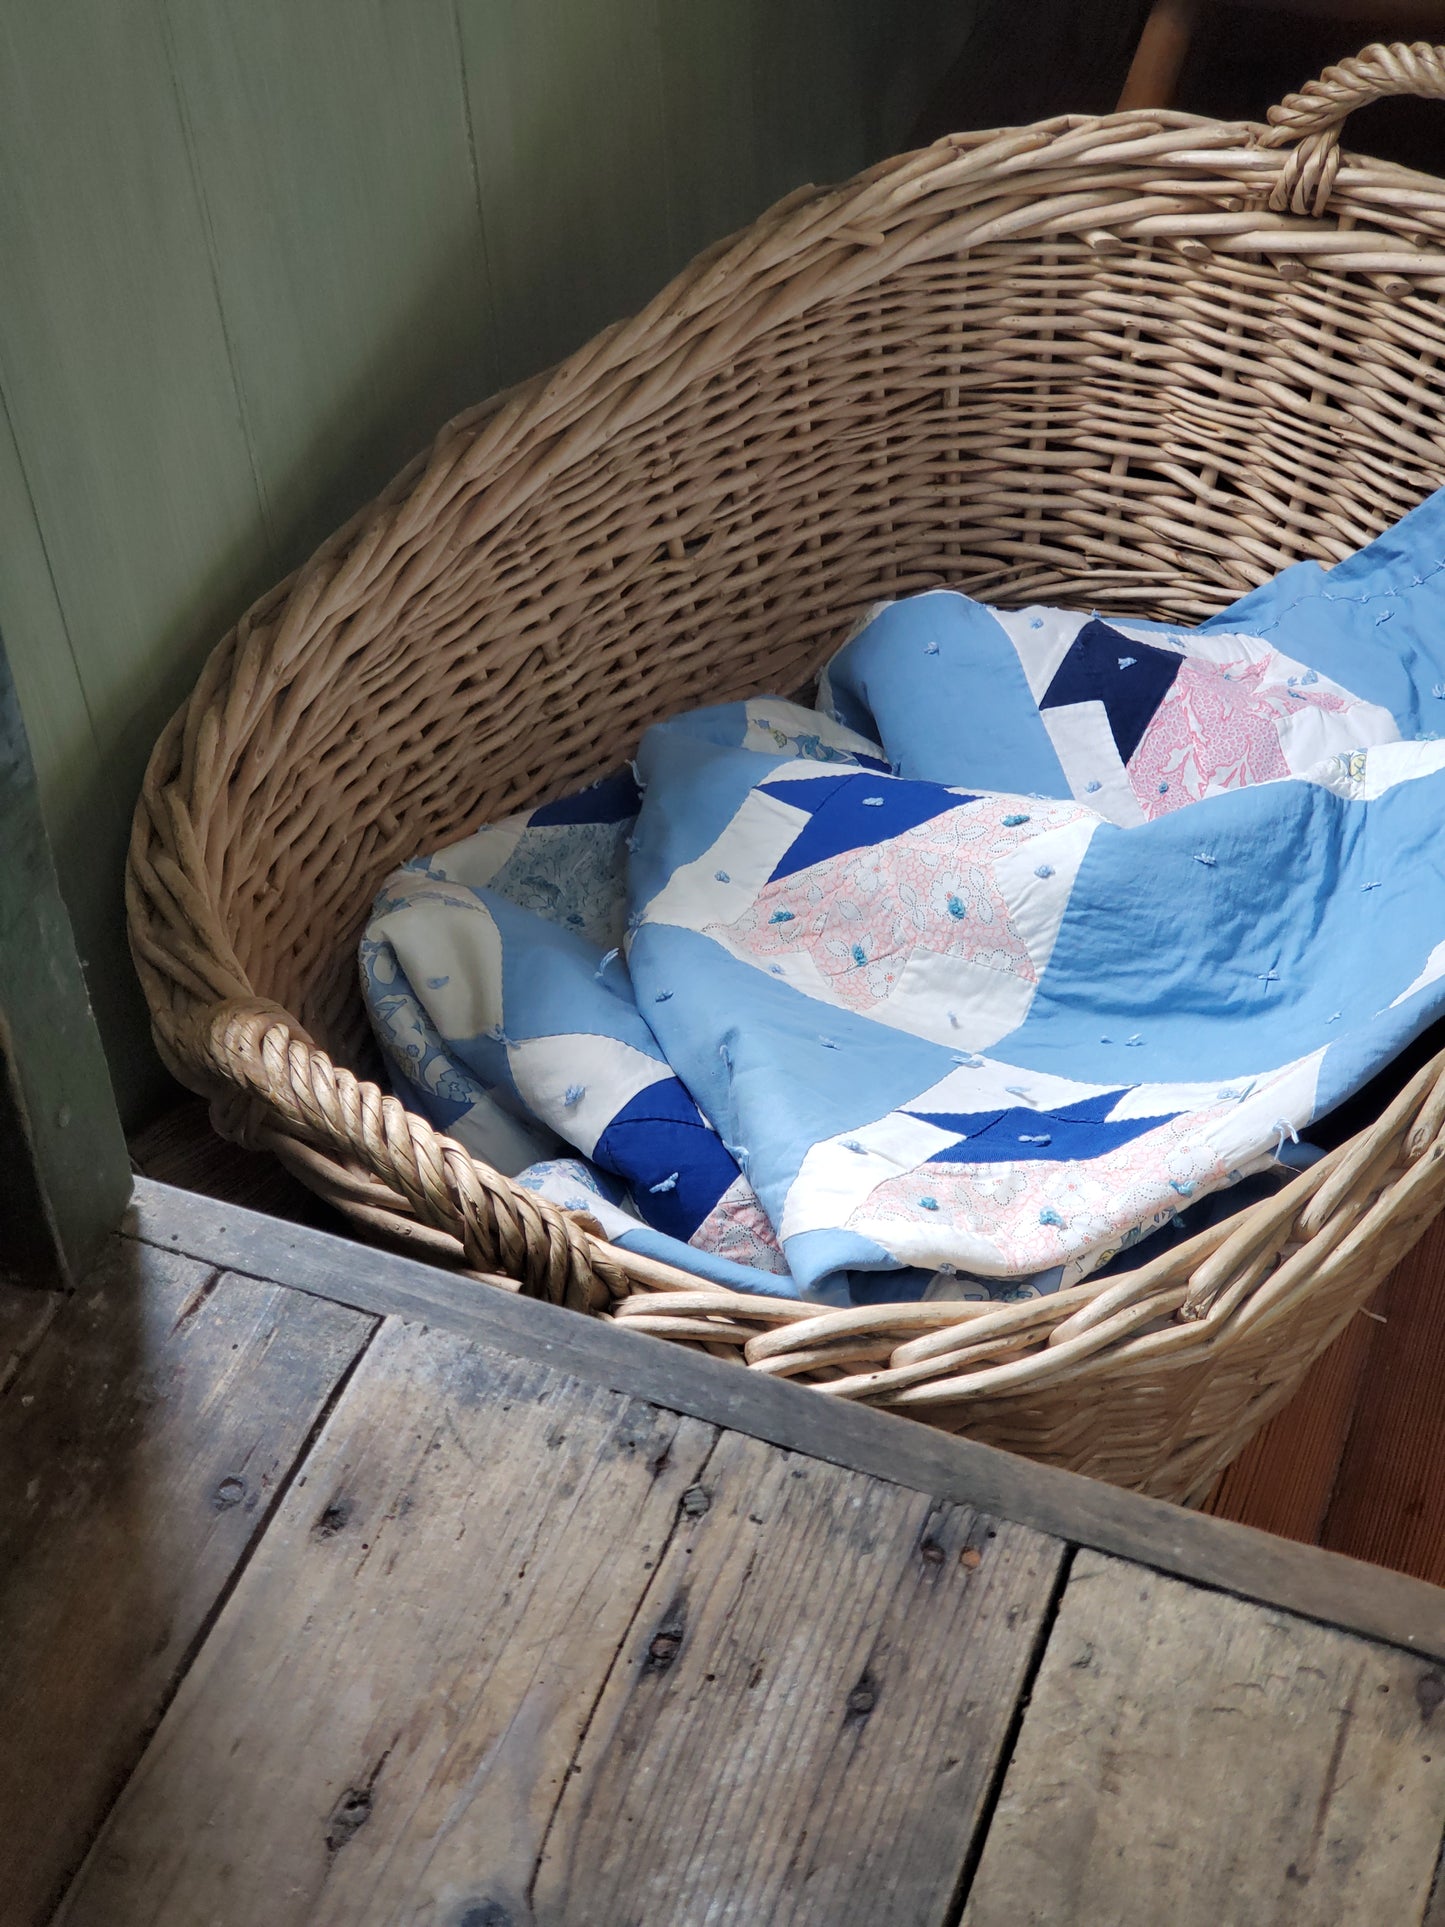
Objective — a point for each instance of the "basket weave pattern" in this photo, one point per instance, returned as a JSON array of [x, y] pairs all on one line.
[[1140, 363]]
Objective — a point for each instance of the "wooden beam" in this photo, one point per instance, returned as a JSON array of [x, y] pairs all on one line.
[[1213, 1552], [64, 1171]]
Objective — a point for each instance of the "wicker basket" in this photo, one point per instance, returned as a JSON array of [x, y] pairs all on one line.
[[1140, 362]]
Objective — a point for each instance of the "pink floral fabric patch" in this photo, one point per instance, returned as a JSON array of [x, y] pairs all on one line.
[[1037, 1214], [1216, 729], [738, 1228], [860, 916]]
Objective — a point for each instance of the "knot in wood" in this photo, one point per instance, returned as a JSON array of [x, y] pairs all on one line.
[[353, 1810], [663, 1651], [862, 1699]]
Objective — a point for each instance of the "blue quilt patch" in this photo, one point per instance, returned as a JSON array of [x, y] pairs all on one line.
[[612, 799], [676, 1165]]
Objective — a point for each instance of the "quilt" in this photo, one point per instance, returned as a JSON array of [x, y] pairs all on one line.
[[1037, 934]]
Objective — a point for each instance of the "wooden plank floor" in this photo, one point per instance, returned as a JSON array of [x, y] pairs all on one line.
[[334, 1589], [546, 1646]]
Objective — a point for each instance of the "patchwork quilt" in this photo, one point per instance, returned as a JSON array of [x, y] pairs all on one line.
[[1037, 934]]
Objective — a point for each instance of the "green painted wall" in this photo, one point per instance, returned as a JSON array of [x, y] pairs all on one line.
[[256, 251]]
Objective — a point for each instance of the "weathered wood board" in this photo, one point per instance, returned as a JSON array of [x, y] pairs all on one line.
[[380, 1725], [1189, 1758], [487, 1568], [141, 1450], [810, 1713], [492, 1616]]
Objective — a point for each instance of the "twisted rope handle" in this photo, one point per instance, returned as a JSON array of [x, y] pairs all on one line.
[[256, 1047], [1310, 122]]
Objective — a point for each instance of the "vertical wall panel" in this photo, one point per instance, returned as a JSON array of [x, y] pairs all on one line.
[[112, 346], [721, 170], [566, 113], [762, 95], [47, 680], [332, 149], [115, 370], [256, 251]]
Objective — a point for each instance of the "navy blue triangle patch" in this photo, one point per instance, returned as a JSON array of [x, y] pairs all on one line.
[[1075, 1131], [853, 812], [1130, 679]]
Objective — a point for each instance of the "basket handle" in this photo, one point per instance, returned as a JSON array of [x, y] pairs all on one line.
[[1310, 122]]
